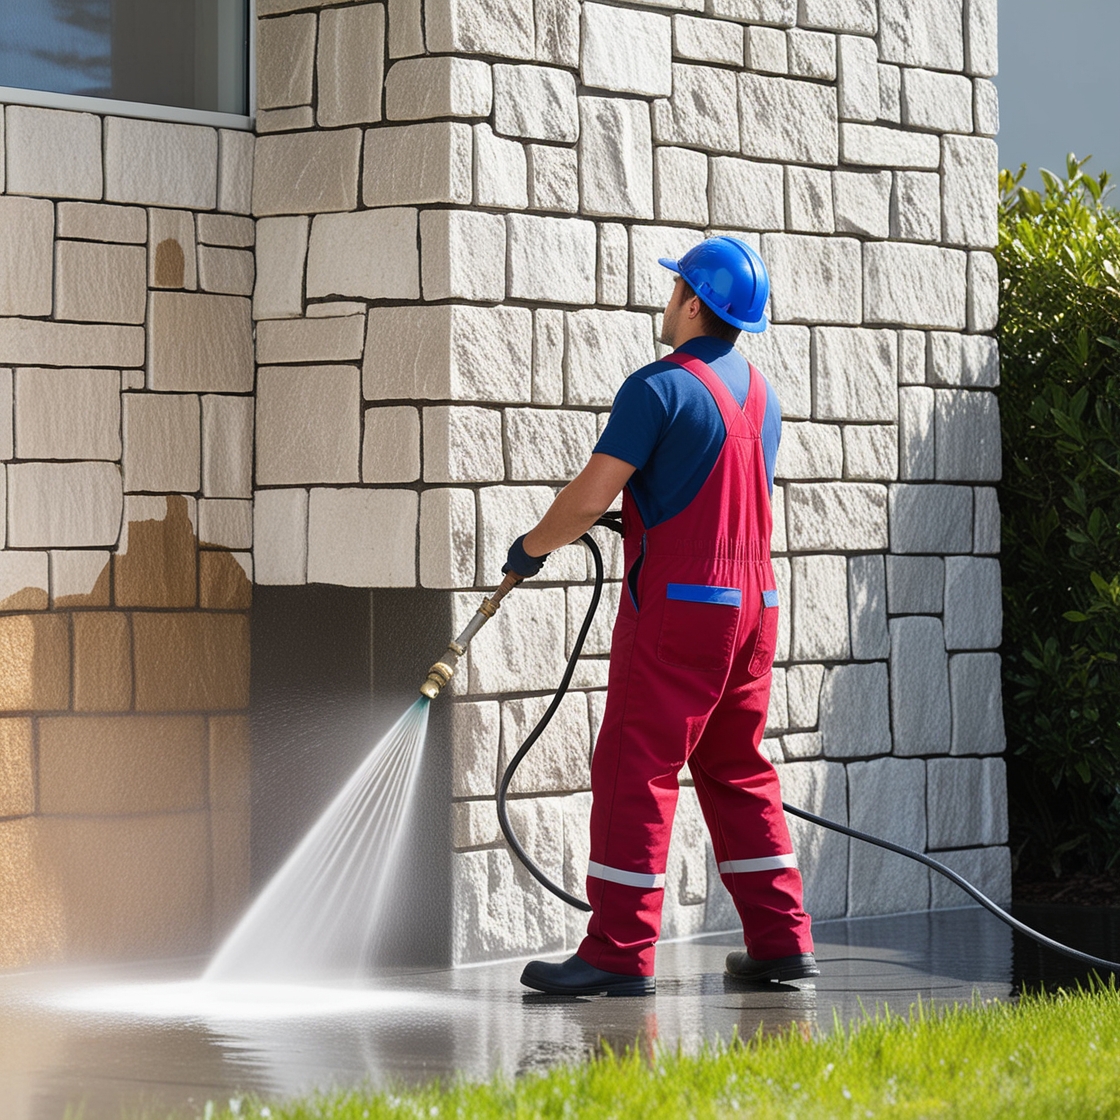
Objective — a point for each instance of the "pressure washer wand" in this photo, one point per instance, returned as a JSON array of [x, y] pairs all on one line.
[[440, 674]]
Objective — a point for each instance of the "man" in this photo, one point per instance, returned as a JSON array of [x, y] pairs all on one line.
[[693, 439]]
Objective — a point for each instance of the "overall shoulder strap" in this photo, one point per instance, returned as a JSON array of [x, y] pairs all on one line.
[[728, 405]]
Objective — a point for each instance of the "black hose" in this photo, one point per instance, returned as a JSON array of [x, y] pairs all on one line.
[[612, 522]]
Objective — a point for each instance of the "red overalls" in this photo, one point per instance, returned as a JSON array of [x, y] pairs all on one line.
[[690, 681]]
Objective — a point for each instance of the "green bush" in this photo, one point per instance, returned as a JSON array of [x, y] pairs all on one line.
[[1059, 260]]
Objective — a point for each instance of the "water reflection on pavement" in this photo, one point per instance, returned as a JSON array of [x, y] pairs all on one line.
[[141, 1036]]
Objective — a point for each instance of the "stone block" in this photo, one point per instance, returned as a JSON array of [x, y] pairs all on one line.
[[79, 579], [686, 871], [311, 340], [922, 33], [809, 200], [225, 523], [67, 414], [890, 93], [967, 800], [915, 584], [747, 194], [235, 171], [315, 172], [862, 202], [391, 444], [867, 602], [975, 688], [406, 28], [551, 259], [945, 365], [858, 67], [970, 176], [17, 769], [280, 536], [307, 425], [500, 171], [449, 353], [463, 255], [613, 273], [161, 442], [859, 16], [548, 356], [871, 453], [155, 563], [783, 578], [820, 608], [920, 710], [91, 221], [778, 541], [301, 118], [281, 253], [32, 342], [810, 451], [172, 260], [100, 283], [983, 292], [362, 538], [553, 178], [34, 662], [819, 787], [780, 13], [874, 145], [916, 206], [26, 251], [499, 27], [703, 111], [968, 436], [681, 186], [371, 254], [988, 869], [505, 512], [986, 538], [936, 102], [973, 603], [930, 519], [286, 59], [914, 285], [52, 153], [887, 797], [474, 824], [63, 505], [985, 107], [811, 54], [803, 692], [616, 157], [227, 442], [199, 343], [626, 51], [785, 119], [154, 163], [981, 39], [228, 271], [561, 758], [463, 444], [447, 538], [225, 580], [421, 88], [912, 357], [537, 102], [349, 65], [854, 374], [603, 348], [855, 711], [843, 515], [707, 40], [782, 353], [598, 641], [229, 231], [916, 449], [766, 50], [557, 31], [7, 414], [547, 444], [475, 737], [24, 581], [651, 284], [815, 279]]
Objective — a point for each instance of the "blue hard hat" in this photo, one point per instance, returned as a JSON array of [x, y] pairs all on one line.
[[730, 278]]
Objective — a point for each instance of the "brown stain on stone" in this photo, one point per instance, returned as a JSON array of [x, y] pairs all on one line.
[[34, 662], [222, 583], [17, 768], [158, 568], [171, 264], [25, 599], [102, 662], [32, 911], [97, 597]]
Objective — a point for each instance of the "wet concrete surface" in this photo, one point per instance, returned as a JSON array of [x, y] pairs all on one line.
[[121, 1041]]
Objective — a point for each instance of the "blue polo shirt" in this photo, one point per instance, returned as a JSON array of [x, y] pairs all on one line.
[[666, 424]]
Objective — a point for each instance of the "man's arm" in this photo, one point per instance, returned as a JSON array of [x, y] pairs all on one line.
[[579, 505]]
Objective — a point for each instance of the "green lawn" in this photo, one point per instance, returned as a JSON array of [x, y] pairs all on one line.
[[1047, 1057]]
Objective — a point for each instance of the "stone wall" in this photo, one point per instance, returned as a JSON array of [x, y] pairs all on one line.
[[460, 206], [126, 263]]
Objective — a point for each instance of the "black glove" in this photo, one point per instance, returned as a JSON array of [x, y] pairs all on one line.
[[520, 562]]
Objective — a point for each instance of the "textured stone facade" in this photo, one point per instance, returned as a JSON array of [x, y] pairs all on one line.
[[446, 233]]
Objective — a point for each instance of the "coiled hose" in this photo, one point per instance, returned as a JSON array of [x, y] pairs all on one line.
[[613, 522]]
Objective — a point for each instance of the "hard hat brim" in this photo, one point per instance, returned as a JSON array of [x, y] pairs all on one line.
[[740, 324]]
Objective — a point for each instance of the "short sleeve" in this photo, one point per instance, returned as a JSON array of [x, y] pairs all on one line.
[[636, 423]]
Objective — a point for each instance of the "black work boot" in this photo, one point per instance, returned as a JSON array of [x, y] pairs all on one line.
[[575, 977], [742, 966]]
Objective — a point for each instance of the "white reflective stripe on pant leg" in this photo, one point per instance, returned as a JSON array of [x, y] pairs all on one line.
[[764, 863], [626, 878]]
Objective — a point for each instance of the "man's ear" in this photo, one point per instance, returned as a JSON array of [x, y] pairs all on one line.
[[694, 305]]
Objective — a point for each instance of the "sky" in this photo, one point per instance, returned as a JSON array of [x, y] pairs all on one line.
[[1057, 83]]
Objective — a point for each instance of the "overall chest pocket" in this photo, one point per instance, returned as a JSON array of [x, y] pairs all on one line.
[[699, 626]]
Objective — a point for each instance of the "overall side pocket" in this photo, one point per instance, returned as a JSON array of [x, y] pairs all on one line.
[[699, 626], [767, 641]]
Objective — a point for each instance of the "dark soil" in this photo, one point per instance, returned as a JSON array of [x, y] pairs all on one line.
[[1083, 888]]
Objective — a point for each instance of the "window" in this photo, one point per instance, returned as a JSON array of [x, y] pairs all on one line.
[[189, 54]]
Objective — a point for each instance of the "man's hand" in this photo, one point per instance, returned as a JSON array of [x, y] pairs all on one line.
[[520, 562]]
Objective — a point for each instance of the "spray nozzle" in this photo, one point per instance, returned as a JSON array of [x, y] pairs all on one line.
[[440, 674]]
